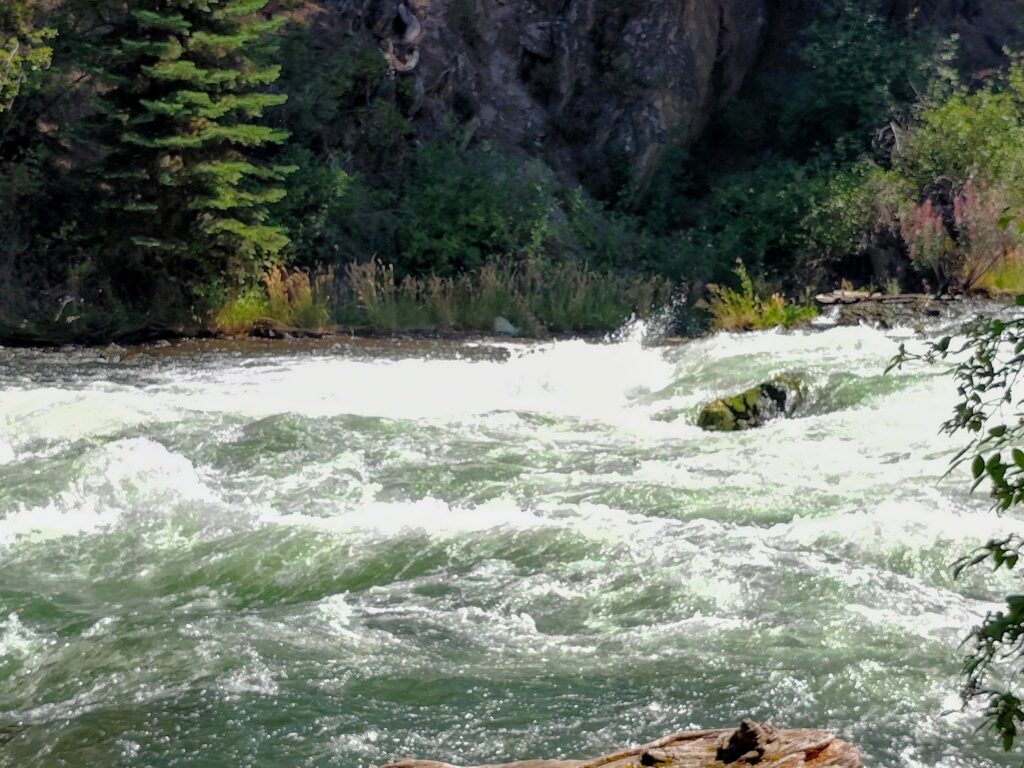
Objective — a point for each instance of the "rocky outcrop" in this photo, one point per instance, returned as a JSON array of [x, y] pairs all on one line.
[[883, 310], [599, 86], [583, 79], [754, 407], [750, 744]]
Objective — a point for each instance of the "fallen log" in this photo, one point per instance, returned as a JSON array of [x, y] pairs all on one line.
[[750, 744], [861, 297]]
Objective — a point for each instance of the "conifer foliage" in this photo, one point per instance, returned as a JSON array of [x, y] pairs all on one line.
[[24, 48], [185, 191]]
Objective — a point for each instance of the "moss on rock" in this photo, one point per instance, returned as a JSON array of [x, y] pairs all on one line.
[[754, 407]]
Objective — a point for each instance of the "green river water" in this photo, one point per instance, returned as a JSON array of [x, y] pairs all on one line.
[[335, 555]]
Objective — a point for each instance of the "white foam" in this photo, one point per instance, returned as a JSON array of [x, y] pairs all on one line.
[[71, 414], [256, 677], [136, 477], [17, 640], [427, 515]]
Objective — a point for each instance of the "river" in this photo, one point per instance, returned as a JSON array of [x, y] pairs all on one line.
[[330, 555]]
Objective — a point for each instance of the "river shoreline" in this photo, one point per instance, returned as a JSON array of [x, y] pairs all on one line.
[[838, 308]]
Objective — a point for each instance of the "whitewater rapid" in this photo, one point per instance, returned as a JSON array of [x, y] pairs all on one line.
[[473, 552]]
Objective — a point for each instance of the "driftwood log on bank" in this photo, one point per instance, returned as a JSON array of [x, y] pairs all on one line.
[[885, 310], [750, 744], [856, 297]]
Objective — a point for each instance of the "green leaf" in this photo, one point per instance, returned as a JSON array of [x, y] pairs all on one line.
[[978, 467]]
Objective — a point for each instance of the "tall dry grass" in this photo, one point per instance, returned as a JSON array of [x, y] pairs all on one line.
[[535, 296], [290, 298]]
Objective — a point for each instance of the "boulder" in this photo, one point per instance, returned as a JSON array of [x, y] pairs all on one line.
[[754, 407], [503, 327], [750, 744]]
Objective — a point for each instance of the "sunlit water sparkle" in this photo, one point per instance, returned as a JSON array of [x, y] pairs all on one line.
[[471, 554]]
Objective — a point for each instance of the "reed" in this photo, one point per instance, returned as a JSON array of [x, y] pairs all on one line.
[[289, 298], [535, 296]]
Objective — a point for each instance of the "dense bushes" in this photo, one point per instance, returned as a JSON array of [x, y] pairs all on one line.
[[784, 179], [874, 166], [24, 48], [139, 186], [944, 191], [857, 157]]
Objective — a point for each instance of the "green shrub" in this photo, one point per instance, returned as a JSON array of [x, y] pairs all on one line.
[[965, 256], [858, 64], [460, 209], [968, 136], [745, 309], [288, 298], [316, 212], [758, 216], [241, 313], [780, 179], [24, 47], [855, 206]]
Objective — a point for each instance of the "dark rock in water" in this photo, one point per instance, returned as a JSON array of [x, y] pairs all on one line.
[[751, 744], [754, 407]]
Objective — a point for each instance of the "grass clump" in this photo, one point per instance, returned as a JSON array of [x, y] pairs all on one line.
[[745, 309], [1004, 279], [287, 298], [242, 313], [299, 298], [536, 296]]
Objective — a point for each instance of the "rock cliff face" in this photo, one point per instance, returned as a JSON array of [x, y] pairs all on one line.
[[591, 84]]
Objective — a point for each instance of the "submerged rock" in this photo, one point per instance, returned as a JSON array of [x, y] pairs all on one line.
[[750, 744], [754, 407]]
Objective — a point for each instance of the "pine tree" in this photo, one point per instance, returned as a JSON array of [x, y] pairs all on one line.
[[184, 191], [24, 48]]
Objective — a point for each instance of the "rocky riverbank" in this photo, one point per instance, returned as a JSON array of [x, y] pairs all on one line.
[[838, 308], [881, 310]]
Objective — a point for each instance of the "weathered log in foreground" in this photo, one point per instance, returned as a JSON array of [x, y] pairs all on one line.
[[750, 744]]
